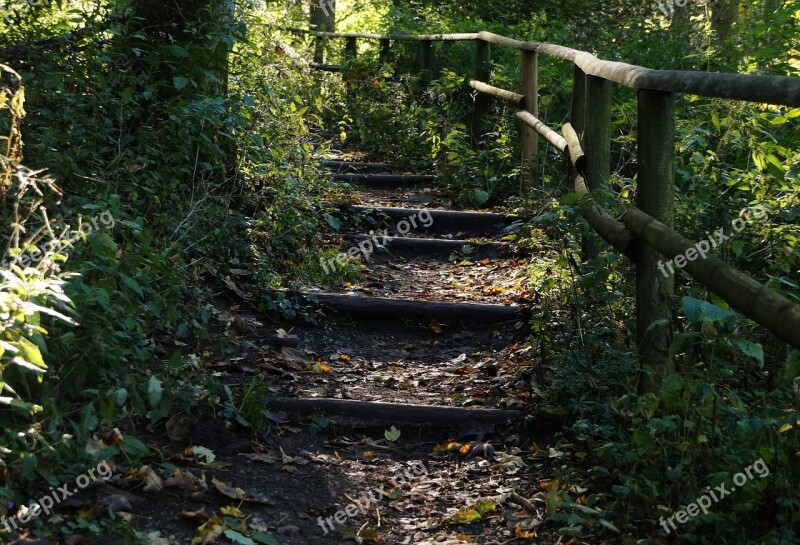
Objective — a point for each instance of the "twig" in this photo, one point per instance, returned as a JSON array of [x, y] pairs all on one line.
[[525, 503]]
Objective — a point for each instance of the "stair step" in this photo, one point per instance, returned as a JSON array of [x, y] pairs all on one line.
[[375, 412], [385, 181], [435, 246], [383, 308], [355, 167], [439, 221]]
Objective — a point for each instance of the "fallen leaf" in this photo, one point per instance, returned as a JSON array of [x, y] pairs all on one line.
[[197, 516], [392, 434], [152, 482], [178, 427], [521, 534], [295, 355], [227, 490], [231, 511], [201, 453], [436, 327]]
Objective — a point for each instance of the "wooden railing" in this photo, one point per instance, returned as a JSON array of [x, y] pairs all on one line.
[[644, 232]]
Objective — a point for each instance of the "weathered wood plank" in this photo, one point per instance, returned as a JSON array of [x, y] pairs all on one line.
[[529, 75], [549, 134], [612, 230], [436, 246], [516, 99], [374, 411], [655, 197], [576, 155], [482, 102], [382, 308], [780, 90]]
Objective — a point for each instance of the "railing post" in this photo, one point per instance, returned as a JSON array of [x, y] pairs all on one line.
[[319, 50], [386, 51], [596, 145], [350, 49], [577, 116], [529, 65], [654, 196], [425, 62], [482, 101]]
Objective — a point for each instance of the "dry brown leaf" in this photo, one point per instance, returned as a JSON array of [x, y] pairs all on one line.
[[197, 516], [187, 482], [152, 482], [227, 490], [292, 354], [178, 427]]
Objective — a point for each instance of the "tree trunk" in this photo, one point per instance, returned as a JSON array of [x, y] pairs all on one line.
[[723, 15]]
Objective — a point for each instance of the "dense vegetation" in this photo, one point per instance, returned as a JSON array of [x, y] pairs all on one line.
[[165, 150]]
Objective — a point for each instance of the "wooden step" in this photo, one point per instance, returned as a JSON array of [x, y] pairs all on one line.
[[383, 308], [435, 246], [355, 167], [385, 181], [376, 412], [439, 221]]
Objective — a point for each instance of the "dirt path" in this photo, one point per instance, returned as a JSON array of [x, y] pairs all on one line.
[[438, 321]]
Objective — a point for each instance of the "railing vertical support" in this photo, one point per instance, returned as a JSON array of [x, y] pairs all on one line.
[[529, 66], [596, 145], [654, 196], [386, 51], [319, 49], [482, 101], [426, 62], [577, 116], [350, 49]]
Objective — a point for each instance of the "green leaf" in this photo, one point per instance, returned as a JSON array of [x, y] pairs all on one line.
[[392, 434], [132, 284], [333, 222], [715, 120], [609, 525], [134, 447], [154, 391], [264, 538], [236, 537], [792, 367], [177, 51], [702, 311], [749, 348], [180, 82], [30, 353], [481, 196], [26, 365]]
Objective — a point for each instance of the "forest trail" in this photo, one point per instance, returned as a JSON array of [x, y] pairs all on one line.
[[412, 395]]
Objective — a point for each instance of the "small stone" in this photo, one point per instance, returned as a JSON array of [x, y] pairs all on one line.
[[282, 339]]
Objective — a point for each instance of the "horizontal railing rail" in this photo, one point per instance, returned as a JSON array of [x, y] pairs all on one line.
[[778, 90], [644, 232]]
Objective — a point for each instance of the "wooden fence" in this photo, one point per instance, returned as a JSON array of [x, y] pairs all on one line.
[[644, 232]]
